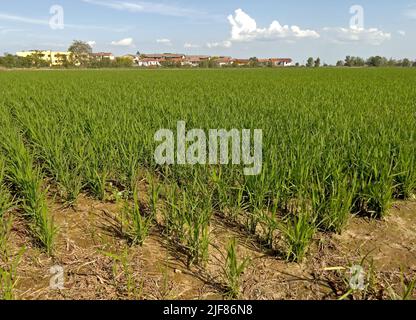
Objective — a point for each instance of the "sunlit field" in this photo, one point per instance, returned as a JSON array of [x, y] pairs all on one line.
[[77, 147]]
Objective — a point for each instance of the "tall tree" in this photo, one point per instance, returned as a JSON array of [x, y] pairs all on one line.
[[254, 62], [406, 63], [80, 52], [310, 62], [317, 62]]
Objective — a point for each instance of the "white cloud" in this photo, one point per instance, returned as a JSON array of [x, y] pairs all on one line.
[[372, 36], [166, 42], [145, 7], [222, 44], [401, 32], [92, 43], [244, 28], [191, 45], [128, 42]]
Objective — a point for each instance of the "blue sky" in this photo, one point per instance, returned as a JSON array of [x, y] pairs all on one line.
[[240, 28]]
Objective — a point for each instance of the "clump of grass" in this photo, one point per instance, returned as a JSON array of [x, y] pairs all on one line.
[[8, 277], [298, 231], [332, 201], [135, 225], [408, 287], [122, 267], [5, 228], [187, 223], [96, 182], [28, 183], [5, 197], [233, 269]]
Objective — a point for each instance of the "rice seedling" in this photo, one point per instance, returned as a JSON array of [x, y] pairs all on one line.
[[134, 224], [6, 201], [187, 223], [5, 229], [122, 267], [408, 288], [8, 276], [154, 196], [233, 269], [298, 231], [28, 183]]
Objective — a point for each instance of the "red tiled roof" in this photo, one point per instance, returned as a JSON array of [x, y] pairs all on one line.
[[281, 60], [224, 60], [241, 60], [163, 55], [102, 54], [149, 59]]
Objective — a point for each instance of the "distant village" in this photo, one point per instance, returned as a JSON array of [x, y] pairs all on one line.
[[154, 60], [80, 54]]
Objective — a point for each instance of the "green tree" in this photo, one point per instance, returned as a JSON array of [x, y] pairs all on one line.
[[391, 62], [123, 62], [80, 52], [348, 61], [406, 63], [340, 63], [254, 62], [377, 61], [354, 61], [359, 62], [317, 62], [310, 62]]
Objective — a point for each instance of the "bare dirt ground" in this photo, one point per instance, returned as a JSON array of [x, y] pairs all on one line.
[[96, 264]]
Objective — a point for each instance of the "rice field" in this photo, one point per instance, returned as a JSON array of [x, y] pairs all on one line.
[[337, 143]]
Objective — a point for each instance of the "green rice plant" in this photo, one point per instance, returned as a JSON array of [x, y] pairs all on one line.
[[6, 201], [9, 278], [298, 231], [187, 223], [42, 226], [96, 183], [5, 229], [134, 224], [406, 176], [332, 201], [56, 152], [154, 197], [408, 288], [28, 183], [122, 265], [271, 225], [234, 268]]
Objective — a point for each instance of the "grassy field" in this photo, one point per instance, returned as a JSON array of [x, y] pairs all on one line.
[[336, 142]]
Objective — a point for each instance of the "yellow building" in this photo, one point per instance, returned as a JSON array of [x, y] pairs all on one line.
[[55, 58]]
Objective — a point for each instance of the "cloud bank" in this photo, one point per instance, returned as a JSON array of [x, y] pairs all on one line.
[[127, 42], [244, 28]]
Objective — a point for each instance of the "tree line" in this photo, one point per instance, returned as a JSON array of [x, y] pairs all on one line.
[[373, 61]]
